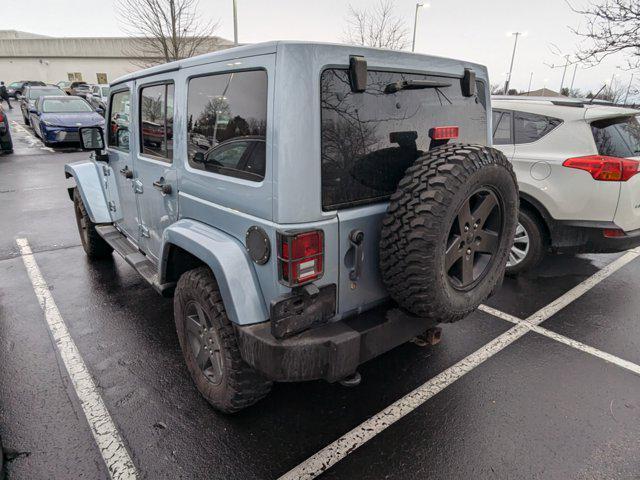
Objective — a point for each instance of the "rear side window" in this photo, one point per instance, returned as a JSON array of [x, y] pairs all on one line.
[[502, 128], [530, 127], [369, 139], [119, 119], [227, 123], [617, 137], [156, 121]]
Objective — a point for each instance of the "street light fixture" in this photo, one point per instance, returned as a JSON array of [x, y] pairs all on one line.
[[513, 56], [415, 23]]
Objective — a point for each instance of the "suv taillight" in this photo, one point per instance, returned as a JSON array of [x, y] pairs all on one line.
[[300, 257], [1, 117], [605, 169]]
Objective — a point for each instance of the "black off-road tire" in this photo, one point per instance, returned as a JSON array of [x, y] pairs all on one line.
[[537, 244], [419, 222], [26, 120], [94, 245], [240, 385]]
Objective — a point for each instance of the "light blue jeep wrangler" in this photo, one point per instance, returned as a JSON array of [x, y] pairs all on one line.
[[308, 206]]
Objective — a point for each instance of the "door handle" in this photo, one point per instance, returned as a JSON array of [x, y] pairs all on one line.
[[163, 187], [126, 172], [356, 238]]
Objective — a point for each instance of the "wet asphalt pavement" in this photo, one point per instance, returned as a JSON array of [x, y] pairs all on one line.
[[536, 409]]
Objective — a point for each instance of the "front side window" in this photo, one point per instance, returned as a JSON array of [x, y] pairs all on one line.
[[369, 139], [119, 119], [227, 123], [617, 137], [502, 128], [530, 127], [156, 121]]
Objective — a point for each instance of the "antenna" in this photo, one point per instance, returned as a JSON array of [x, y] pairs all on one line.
[[596, 95]]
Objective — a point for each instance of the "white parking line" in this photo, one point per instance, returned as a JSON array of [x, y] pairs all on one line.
[[30, 137], [351, 441], [105, 433]]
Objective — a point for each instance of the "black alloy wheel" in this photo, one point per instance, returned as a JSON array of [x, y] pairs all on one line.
[[204, 343], [474, 239]]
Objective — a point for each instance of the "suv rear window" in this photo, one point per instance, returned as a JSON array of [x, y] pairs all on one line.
[[369, 139], [617, 137]]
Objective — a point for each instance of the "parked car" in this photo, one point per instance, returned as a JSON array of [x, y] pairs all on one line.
[[79, 89], [98, 97], [56, 119], [31, 94], [335, 220], [63, 85], [576, 164], [16, 89], [6, 145]]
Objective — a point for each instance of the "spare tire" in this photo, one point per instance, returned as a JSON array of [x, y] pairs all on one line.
[[448, 231]]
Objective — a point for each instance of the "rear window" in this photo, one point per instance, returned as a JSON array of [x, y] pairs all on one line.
[[617, 137], [369, 139], [41, 92]]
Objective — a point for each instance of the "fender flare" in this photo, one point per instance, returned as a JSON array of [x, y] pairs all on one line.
[[89, 184], [227, 259]]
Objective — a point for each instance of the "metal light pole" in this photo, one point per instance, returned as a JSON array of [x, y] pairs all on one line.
[[513, 56], [530, 80], [626, 97], [564, 72], [573, 79], [235, 23], [415, 25]]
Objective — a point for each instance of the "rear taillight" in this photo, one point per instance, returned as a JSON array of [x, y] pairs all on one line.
[[300, 257], [613, 233], [605, 169], [444, 133], [1, 117]]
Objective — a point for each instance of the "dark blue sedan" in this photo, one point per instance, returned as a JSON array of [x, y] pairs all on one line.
[[56, 119]]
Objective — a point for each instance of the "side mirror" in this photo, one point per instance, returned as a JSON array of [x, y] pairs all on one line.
[[100, 110], [199, 157], [91, 138]]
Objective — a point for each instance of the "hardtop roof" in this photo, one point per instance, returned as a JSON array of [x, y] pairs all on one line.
[[266, 48]]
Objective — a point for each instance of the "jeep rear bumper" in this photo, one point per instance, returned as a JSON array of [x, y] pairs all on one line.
[[332, 351]]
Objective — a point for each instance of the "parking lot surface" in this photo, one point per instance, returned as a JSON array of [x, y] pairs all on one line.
[[542, 383]]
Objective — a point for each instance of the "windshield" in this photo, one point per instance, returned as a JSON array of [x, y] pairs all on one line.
[[369, 139], [83, 86], [15, 84], [104, 91], [40, 92], [65, 105], [617, 137]]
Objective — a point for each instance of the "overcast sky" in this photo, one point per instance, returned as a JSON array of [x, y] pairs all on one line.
[[468, 29]]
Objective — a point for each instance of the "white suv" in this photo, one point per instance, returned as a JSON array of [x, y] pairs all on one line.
[[576, 165]]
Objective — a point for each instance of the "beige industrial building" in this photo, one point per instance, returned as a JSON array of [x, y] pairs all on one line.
[[27, 56]]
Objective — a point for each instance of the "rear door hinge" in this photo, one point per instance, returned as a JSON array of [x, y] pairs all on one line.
[[137, 186], [144, 231], [112, 206]]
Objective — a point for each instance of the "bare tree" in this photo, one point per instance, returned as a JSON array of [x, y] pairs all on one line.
[[165, 30], [376, 26], [612, 26], [497, 89]]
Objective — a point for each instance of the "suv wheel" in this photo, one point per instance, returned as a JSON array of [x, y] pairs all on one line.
[[448, 230], [528, 245], [94, 245], [209, 345]]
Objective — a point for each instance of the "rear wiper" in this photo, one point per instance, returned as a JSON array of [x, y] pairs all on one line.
[[414, 85]]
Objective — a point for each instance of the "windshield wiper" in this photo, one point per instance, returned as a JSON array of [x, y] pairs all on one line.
[[414, 85]]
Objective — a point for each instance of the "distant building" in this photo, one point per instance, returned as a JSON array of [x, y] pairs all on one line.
[[27, 56], [543, 92]]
